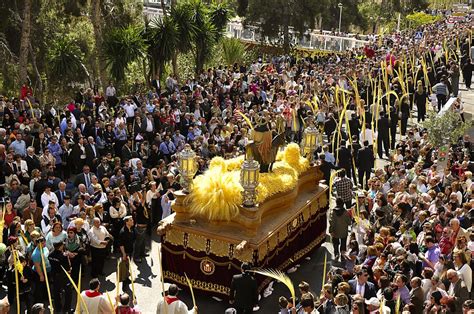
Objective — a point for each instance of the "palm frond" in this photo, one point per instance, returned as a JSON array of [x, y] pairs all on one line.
[[123, 46], [220, 14], [64, 57], [233, 50], [280, 276], [164, 37], [182, 15]]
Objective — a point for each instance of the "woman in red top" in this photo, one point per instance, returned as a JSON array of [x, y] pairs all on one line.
[[9, 214]]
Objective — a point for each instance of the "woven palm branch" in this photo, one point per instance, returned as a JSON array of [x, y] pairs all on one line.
[[280, 276]]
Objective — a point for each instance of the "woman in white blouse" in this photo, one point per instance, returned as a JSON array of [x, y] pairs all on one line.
[[462, 267]]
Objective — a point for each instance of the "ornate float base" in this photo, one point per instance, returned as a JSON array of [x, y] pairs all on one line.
[[210, 254]]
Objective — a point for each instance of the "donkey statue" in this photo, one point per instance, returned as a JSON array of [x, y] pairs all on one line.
[[265, 155]]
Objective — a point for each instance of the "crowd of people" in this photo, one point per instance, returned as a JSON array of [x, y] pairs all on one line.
[[90, 180]]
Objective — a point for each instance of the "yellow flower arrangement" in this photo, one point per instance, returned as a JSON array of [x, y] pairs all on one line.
[[217, 193]]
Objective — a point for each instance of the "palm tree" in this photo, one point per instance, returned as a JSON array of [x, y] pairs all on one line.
[[181, 14], [65, 61], [123, 46], [161, 37], [233, 50], [209, 24], [220, 15]]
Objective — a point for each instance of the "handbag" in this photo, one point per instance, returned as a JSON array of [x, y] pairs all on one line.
[[123, 270]]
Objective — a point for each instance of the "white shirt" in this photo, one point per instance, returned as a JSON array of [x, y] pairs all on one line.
[[129, 110], [120, 213], [149, 125], [360, 289], [465, 273], [110, 91], [97, 235], [367, 135], [45, 198], [176, 307]]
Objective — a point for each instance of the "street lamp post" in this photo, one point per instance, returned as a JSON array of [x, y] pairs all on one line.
[[340, 16]]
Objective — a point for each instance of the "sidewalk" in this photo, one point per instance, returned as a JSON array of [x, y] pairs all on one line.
[[467, 97]]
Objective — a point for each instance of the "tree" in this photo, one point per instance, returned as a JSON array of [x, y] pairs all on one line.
[[161, 38], [65, 62], [181, 14], [123, 46], [445, 129], [25, 40], [209, 25], [420, 18], [350, 15], [96, 21], [276, 17]]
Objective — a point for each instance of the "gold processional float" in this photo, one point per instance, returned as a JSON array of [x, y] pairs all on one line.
[[267, 208]]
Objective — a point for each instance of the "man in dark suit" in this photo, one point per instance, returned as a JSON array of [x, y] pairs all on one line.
[[104, 169], [127, 150], [457, 291], [61, 193], [85, 177], [383, 134], [330, 125], [365, 163], [417, 297], [92, 152], [32, 160], [354, 124], [148, 127], [184, 124], [97, 130], [362, 286], [325, 168], [84, 126], [355, 146], [243, 291], [344, 158]]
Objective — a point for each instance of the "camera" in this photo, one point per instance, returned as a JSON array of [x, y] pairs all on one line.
[[135, 186]]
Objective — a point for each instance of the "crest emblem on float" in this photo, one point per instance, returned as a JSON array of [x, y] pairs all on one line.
[[207, 267]]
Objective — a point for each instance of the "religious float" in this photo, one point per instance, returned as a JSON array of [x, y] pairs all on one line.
[[265, 209]]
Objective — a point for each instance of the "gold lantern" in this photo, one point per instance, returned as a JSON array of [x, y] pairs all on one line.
[[249, 175], [310, 142], [187, 167]]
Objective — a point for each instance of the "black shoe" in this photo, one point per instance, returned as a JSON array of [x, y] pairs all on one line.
[[138, 260], [145, 255]]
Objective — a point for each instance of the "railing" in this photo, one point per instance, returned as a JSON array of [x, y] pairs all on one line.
[[311, 40]]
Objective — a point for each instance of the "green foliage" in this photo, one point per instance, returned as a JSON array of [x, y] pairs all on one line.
[[242, 6], [162, 38], [233, 50], [418, 19], [350, 14], [121, 47], [65, 61], [275, 17], [445, 129], [181, 14], [219, 15]]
